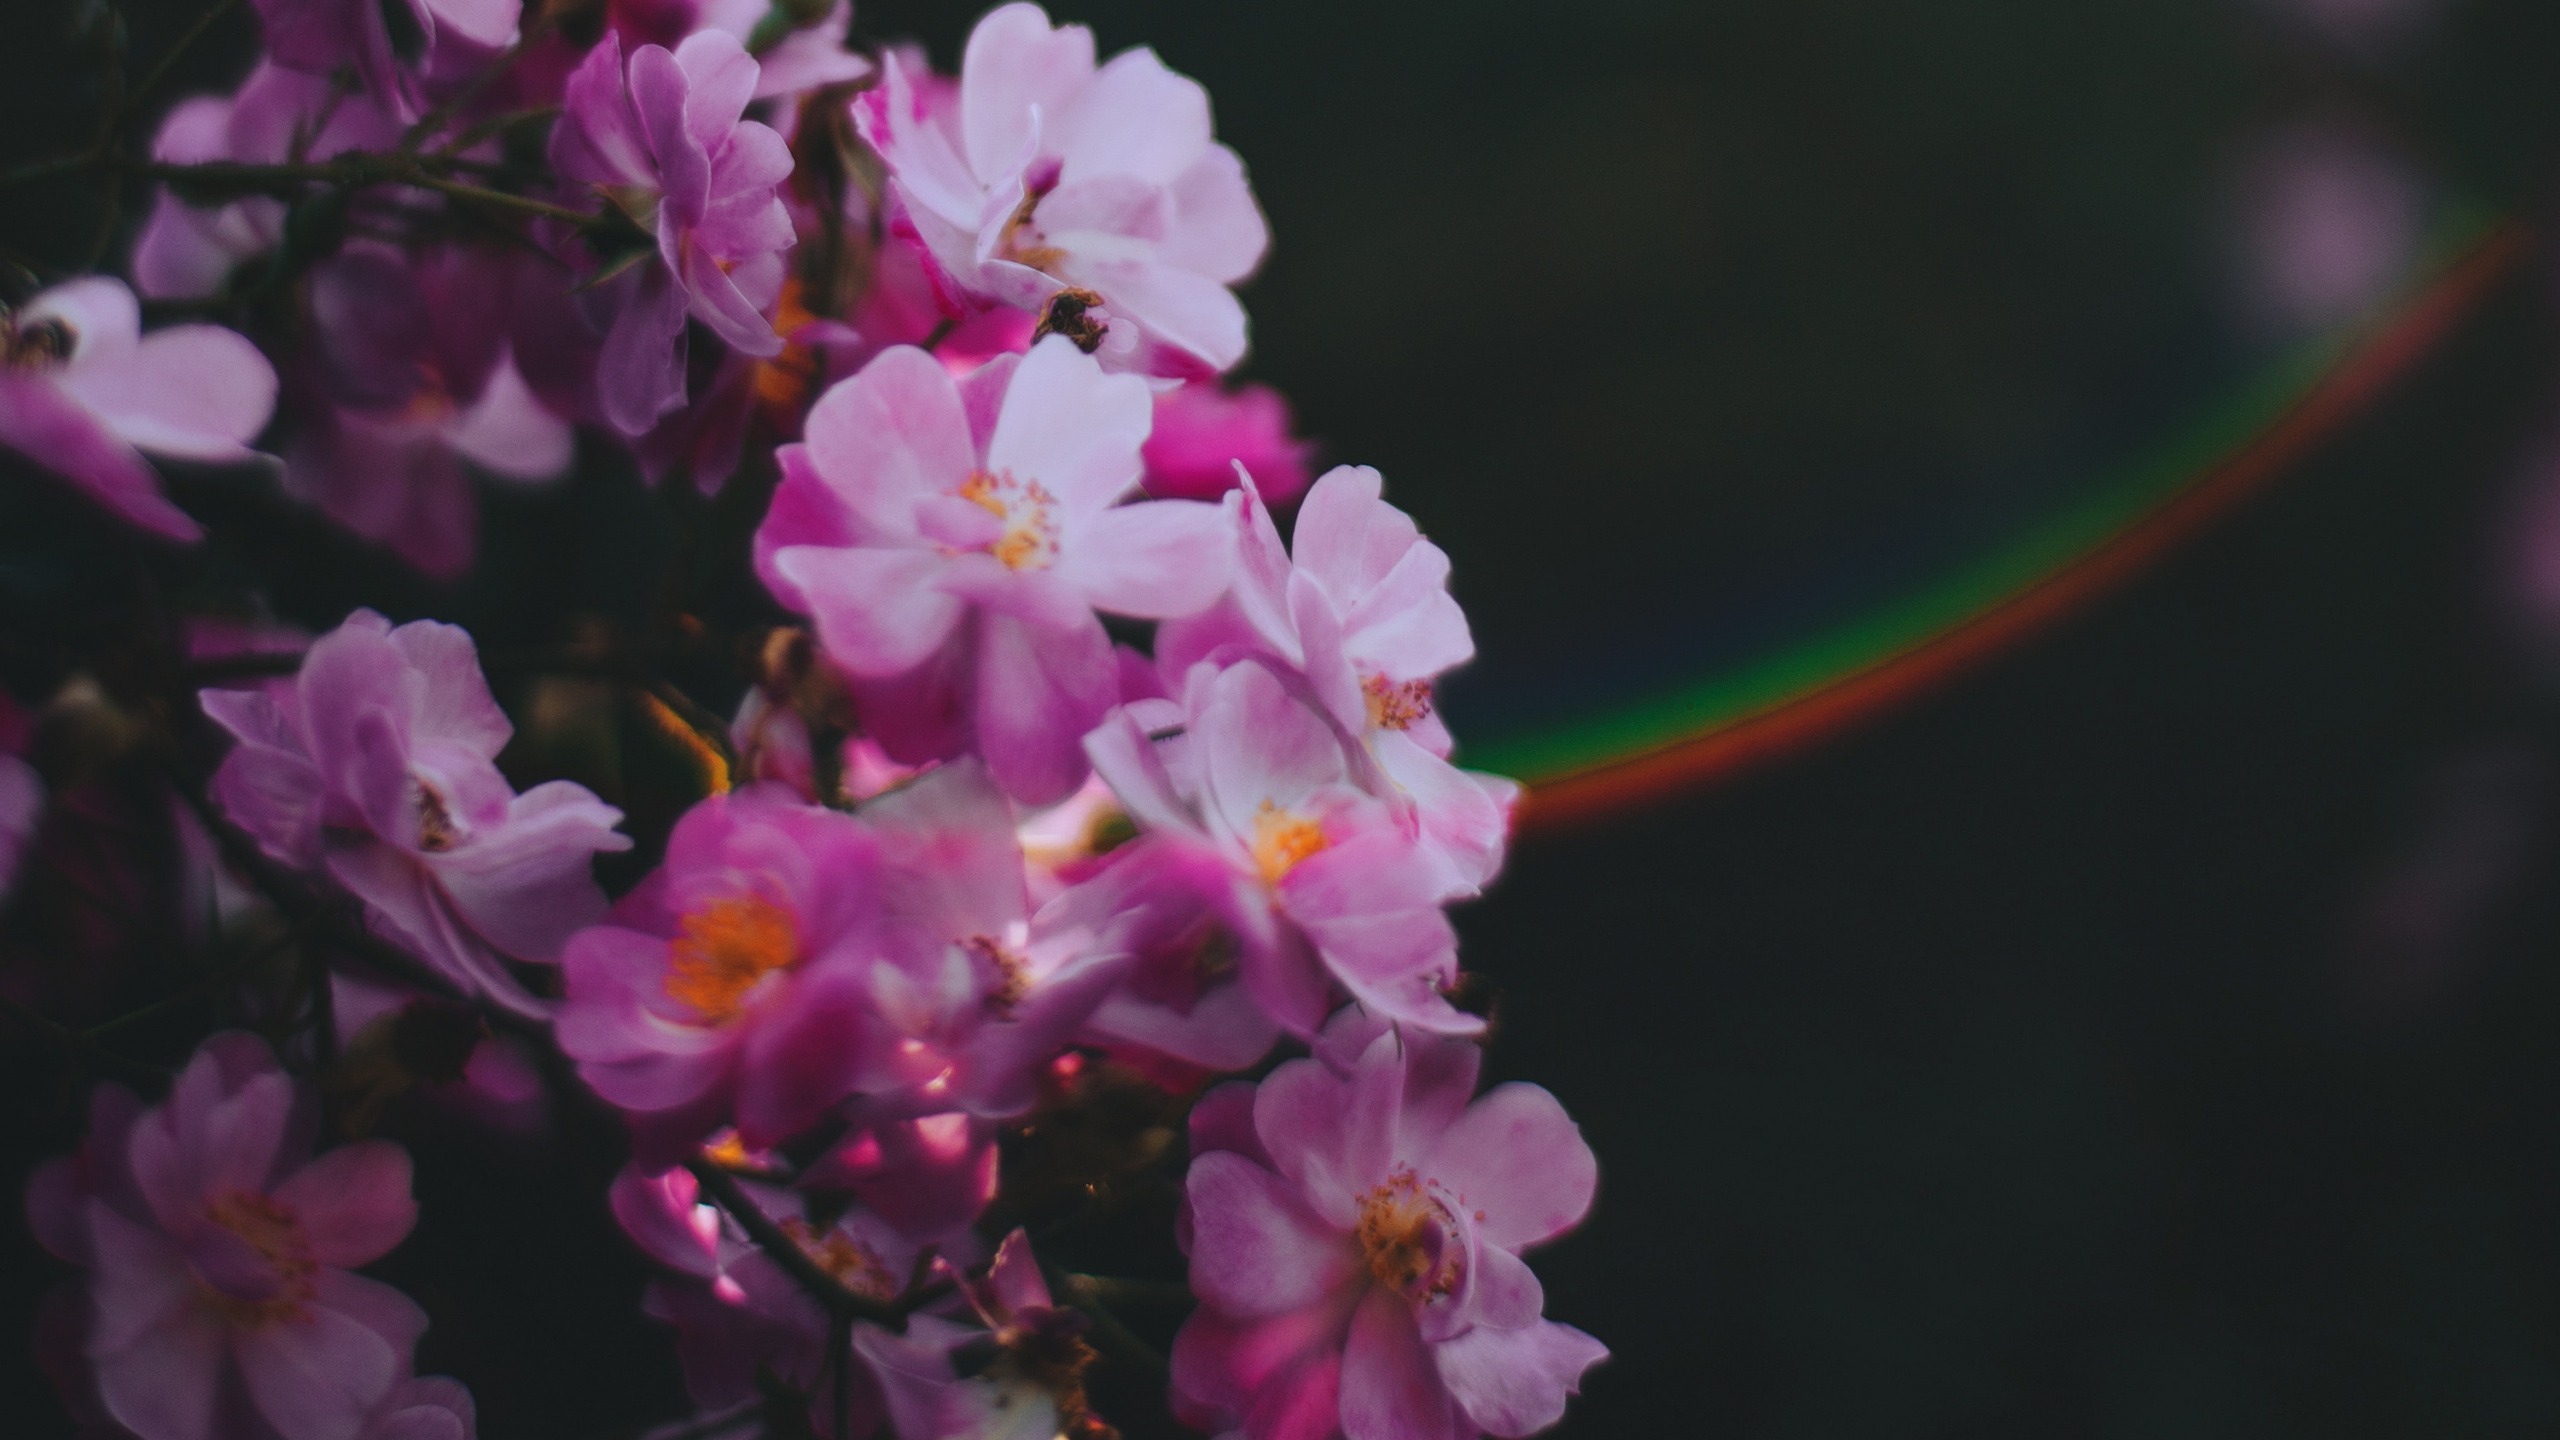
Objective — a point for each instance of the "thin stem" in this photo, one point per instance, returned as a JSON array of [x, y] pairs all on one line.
[[1106, 1326], [524, 203]]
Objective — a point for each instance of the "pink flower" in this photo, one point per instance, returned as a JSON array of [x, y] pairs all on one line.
[[1203, 433], [1044, 178], [319, 36], [670, 151], [1364, 613], [218, 1249], [186, 251], [953, 541], [736, 980], [380, 774], [1025, 1371], [82, 389], [1356, 1248], [412, 386], [1250, 799]]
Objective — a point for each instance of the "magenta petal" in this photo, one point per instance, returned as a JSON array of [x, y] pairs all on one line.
[[1521, 1162], [801, 1058], [317, 1377], [1390, 1388], [1039, 691], [1254, 1249], [43, 423], [879, 612], [354, 1202], [1513, 1383], [140, 1281]]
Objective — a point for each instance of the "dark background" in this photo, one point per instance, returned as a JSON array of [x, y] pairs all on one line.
[[2061, 1055]]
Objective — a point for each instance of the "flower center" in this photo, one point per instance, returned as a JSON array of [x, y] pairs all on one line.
[[1395, 705], [855, 1265], [1281, 839], [723, 949], [1009, 970], [435, 822], [1022, 242], [41, 345], [270, 1227], [1030, 538], [1404, 1232]]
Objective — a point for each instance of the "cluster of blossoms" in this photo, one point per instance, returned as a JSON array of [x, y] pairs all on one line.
[[1058, 765]]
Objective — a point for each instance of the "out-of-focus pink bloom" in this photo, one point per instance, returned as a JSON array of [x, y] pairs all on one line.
[[1357, 1257], [2329, 217], [380, 774], [425, 1407], [736, 980], [1045, 184], [1025, 1376], [1249, 798], [736, 1312], [276, 115], [929, 1176], [666, 146], [1365, 614], [804, 58], [319, 36], [21, 793], [411, 378], [954, 539], [218, 1253], [1203, 432], [490, 1081], [82, 390]]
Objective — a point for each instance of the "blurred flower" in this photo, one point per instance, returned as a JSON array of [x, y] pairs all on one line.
[[2329, 218], [667, 147], [82, 389], [1021, 1376], [218, 1248], [390, 43], [276, 115], [380, 774], [953, 541], [1202, 433], [1095, 198], [1356, 1250]]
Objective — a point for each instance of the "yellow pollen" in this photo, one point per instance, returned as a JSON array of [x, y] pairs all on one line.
[[1282, 839], [435, 823], [855, 1265], [1395, 705], [40, 345], [723, 949], [1395, 1229], [1030, 538], [272, 1229], [1011, 246]]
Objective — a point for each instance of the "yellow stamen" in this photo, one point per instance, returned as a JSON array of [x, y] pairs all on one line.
[[723, 949], [1282, 839]]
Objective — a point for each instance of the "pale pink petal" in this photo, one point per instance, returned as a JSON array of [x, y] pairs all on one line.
[[1039, 691], [893, 432], [1520, 1161], [1135, 118], [1072, 428], [1218, 230], [104, 319], [1155, 559], [1015, 64], [199, 392], [1390, 1388], [164, 1383], [1513, 1383], [1254, 1248], [530, 884], [317, 1377], [509, 433], [879, 612]]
